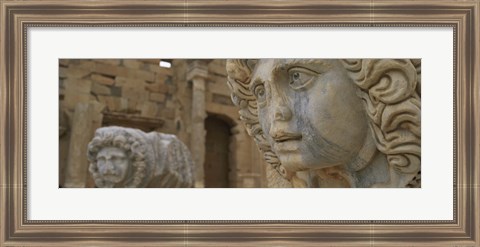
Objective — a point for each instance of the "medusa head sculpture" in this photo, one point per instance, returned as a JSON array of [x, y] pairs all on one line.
[[332, 122], [130, 158]]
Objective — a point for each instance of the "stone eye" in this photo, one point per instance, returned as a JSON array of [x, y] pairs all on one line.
[[259, 92], [300, 77], [296, 76]]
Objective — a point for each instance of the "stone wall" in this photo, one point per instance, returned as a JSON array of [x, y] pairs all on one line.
[[139, 93]]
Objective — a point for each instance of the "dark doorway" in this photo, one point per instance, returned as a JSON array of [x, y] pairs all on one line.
[[216, 153]]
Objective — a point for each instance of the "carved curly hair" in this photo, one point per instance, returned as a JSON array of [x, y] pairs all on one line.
[[133, 148], [390, 90]]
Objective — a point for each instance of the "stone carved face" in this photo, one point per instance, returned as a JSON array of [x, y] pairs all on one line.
[[330, 119], [118, 158], [113, 165], [306, 111], [130, 158]]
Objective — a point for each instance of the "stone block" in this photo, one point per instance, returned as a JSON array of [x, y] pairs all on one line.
[[167, 113], [157, 87], [120, 81], [63, 62], [218, 85], [141, 74], [168, 126], [103, 79], [158, 97], [109, 61], [113, 104], [78, 85], [133, 106], [116, 91], [62, 72], [149, 109], [218, 67], [132, 63], [230, 111], [171, 89], [76, 73], [171, 104], [161, 78], [84, 64], [208, 97], [222, 99], [99, 89], [150, 61], [248, 182], [111, 70], [137, 92], [72, 98]]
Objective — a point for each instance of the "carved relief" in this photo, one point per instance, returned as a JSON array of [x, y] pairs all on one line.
[[332, 123], [125, 157]]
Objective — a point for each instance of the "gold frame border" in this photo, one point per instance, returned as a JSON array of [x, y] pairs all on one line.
[[17, 16]]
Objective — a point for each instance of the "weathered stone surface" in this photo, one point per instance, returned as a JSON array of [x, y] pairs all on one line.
[[85, 64], [125, 157], [78, 85], [112, 103], [197, 73], [132, 63], [149, 109], [76, 91], [332, 123], [109, 61], [86, 119], [76, 73], [110, 70], [217, 85], [142, 74], [168, 113], [132, 91], [63, 62], [99, 89], [154, 62], [158, 87], [133, 106], [104, 80], [62, 72], [121, 81], [227, 110], [172, 94], [217, 67], [221, 99], [158, 97]]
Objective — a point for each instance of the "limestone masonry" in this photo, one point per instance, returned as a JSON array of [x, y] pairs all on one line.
[[190, 100]]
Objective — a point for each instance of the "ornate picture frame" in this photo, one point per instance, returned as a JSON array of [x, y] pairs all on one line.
[[17, 16]]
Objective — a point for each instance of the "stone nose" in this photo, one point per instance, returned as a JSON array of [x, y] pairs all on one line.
[[282, 113], [109, 167]]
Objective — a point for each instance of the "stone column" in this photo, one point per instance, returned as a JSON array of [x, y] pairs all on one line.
[[86, 119], [197, 74]]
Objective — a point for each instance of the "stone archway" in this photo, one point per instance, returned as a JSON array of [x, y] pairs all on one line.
[[216, 166]]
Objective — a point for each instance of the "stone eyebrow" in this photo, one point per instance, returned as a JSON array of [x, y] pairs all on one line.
[[304, 62]]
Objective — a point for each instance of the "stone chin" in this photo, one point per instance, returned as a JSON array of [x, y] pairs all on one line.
[[297, 161], [308, 154]]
